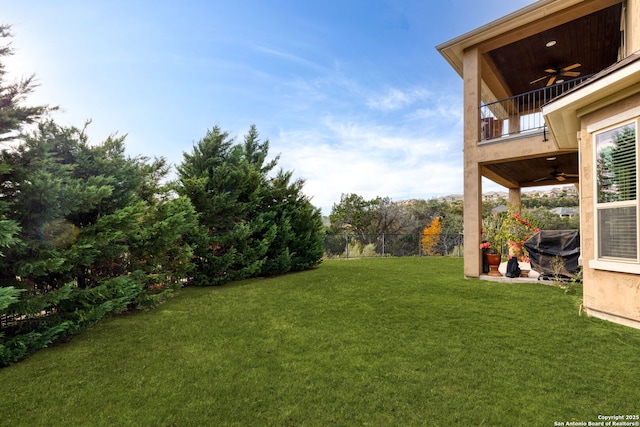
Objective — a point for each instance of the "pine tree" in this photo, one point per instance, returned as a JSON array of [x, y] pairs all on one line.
[[93, 239]]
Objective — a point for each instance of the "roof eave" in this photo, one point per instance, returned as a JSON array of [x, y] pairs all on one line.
[[453, 50]]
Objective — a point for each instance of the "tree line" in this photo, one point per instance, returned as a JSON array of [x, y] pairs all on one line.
[[430, 227], [87, 231], [368, 219]]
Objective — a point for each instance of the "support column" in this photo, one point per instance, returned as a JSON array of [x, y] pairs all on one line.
[[515, 196], [472, 219], [472, 170]]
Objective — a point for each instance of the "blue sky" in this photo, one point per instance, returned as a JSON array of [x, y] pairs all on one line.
[[351, 93]]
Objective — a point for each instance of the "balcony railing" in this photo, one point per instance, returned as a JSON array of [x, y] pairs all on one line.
[[521, 113]]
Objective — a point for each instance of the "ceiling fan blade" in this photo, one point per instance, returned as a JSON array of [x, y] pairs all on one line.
[[571, 73], [537, 80], [571, 67], [541, 179], [551, 70], [560, 178], [551, 81], [571, 175]]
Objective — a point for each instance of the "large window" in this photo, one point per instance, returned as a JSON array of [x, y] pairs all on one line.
[[616, 197]]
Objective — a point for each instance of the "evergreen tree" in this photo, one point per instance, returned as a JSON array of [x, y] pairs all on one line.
[[50, 196], [14, 115], [353, 214], [299, 242], [8, 228], [251, 224], [84, 230], [368, 218], [225, 189], [93, 239]]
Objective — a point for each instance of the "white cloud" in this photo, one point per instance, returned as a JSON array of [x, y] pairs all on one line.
[[395, 99], [385, 142], [370, 161]]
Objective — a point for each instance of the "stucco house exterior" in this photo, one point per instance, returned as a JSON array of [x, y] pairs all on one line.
[[552, 96]]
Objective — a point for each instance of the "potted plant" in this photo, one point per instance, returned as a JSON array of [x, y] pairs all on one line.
[[490, 245], [492, 257], [515, 230]]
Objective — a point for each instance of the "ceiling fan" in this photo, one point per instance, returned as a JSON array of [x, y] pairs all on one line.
[[560, 176], [555, 72]]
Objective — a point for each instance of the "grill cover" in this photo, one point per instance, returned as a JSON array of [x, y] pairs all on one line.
[[555, 252]]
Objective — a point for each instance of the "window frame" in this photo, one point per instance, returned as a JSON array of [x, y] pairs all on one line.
[[627, 265]]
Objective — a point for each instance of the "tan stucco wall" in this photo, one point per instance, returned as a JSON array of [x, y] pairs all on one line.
[[611, 295]]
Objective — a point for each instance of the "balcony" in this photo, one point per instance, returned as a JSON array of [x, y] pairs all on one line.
[[520, 115]]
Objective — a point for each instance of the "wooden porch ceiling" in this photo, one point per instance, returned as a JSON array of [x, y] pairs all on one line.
[[559, 169], [592, 41], [515, 59]]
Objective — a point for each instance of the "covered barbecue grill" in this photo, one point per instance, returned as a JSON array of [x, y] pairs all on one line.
[[555, 253]]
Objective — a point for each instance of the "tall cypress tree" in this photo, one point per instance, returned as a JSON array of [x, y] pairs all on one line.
[[84, 230], [299, 244], [13, 116], [93, 239], [251, 224], [225, 183]]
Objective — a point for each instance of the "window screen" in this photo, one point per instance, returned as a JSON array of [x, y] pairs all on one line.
[[616, 173], [617, 233]]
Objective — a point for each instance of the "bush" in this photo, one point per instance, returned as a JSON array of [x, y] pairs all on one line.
[[96, 235]]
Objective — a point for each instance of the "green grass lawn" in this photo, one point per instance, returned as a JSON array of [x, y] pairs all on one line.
[[378, 342]]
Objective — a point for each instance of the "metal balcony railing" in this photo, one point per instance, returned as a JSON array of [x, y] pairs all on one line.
[[521, 113]]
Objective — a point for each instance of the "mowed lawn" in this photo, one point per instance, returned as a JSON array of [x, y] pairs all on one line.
[[378, 342]]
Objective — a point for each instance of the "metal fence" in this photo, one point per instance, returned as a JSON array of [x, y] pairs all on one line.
[[10, 323], [381, 245]]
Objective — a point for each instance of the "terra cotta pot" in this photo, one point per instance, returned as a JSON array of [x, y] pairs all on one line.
[[494, 262]]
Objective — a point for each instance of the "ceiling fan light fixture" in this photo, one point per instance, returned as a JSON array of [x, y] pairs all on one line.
[[555, 75], [556, 174], [551, 43]]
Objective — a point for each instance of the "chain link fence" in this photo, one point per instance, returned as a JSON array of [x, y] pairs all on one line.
[[381, 245]]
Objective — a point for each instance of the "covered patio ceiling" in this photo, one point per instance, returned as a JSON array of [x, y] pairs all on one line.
[[514, 48], [592, 41], [514, 53], [557, 169], [533, 58]]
